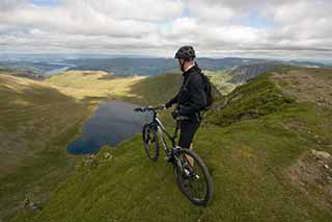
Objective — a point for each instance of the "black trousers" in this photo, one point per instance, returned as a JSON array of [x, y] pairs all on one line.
[[188, 129]]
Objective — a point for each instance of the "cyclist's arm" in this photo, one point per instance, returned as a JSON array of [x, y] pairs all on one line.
[[173, 100]]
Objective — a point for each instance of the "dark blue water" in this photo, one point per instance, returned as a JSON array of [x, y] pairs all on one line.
[[111, 123]]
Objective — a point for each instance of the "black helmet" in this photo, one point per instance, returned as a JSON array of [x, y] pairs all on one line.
[[185, 52]]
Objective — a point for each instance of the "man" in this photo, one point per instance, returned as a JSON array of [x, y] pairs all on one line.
[[191, 98]]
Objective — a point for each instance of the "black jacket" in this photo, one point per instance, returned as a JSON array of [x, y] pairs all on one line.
[[191, 97]]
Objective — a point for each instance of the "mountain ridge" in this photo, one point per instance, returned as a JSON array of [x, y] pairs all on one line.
[[50, 65]]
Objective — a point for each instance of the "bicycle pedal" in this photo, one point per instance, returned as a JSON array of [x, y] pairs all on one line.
[[196, 177], [187, 172]]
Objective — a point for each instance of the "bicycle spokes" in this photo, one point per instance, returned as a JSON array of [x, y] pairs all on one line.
[[193, 178], [151, 144], [193, 172]]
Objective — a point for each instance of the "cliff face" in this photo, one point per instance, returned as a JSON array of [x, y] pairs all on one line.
[[244, 73]]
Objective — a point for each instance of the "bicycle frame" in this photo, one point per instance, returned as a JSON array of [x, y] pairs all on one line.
[[181, 158], [162, 131]]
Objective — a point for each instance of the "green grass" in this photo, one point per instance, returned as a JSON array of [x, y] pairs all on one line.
[[248, 157], [220, 80], [260, 97], [92, 84], [37, 122], [248, 173], [155, 90]]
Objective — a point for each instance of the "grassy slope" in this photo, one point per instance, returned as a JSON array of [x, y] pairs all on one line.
[[155, 90], [221, 80], [249, 101], [92, 84], [38, 119], [248, 158], [36, 124]]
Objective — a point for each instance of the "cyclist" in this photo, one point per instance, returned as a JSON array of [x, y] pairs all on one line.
[[191, 97]]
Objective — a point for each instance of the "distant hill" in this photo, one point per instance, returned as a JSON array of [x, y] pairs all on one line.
[[119, 66], [125, 65], [242, 74]]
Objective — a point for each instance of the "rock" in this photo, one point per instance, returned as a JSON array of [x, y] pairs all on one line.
[[34, 207], [312, 174], [321, 154], [91, 161], [321, 100], [30, 205], [244, 73], [107, 156]]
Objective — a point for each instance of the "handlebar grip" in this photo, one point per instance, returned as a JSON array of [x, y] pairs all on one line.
[[138, 109], [149, 108]]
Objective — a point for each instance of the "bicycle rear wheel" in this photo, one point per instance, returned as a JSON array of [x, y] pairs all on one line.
[[150, 141], [193, 177]]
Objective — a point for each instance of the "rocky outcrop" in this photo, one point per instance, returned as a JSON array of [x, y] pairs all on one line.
[[244, 73], [312, 174]]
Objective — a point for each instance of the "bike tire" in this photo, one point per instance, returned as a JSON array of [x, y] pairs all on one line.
[[151, 149], [182, 182]]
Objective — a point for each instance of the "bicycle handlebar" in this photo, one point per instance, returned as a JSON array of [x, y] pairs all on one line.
[[149, 108]]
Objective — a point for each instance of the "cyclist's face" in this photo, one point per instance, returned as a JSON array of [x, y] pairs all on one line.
[[181, 64]]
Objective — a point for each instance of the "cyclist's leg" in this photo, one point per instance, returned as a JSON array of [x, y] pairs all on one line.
[[190, 159], [187, 132], [188, 129]]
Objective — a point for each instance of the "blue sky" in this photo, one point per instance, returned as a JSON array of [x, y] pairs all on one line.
[[256, 28], [45, 2], [254, 19]]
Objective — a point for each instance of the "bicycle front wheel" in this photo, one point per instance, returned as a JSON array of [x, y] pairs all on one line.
[[193, 177], [151, 142]]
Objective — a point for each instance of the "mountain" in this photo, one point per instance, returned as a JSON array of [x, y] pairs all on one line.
[[308, 64], [47, 65], [242, 74], [267, 145], [117, 65]]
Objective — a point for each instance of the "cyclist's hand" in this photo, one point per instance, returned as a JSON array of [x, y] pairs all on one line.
[[168, 105], [175, 114]]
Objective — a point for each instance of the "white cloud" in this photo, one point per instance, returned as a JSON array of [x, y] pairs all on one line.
[[148, 10], [215, 27], [215, 12]]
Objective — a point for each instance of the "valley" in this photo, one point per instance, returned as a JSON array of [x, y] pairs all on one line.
[[38, 119], [260, 141]]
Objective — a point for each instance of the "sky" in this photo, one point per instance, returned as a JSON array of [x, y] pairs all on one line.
[[216, 28]]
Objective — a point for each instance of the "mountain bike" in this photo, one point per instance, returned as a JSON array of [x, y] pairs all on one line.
[[192, 175]]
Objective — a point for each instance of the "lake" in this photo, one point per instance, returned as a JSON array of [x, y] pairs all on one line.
[[111, 123]]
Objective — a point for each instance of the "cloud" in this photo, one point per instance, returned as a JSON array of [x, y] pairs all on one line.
[[214, 27], [7, 5]]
